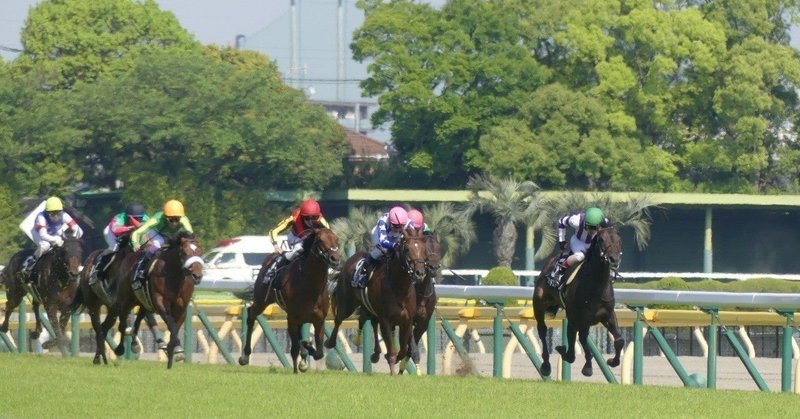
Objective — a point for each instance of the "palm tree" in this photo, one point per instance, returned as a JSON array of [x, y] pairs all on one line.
[[453, 227], [633, 213], [355, 231], [511, 203]]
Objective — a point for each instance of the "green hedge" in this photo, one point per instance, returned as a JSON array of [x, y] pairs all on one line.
[[750, 285]]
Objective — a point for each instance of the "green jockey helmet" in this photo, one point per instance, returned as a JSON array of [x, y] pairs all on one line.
[[594, 217]]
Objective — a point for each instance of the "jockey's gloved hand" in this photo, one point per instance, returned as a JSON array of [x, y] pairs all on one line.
[[58, 241], [562, 245]]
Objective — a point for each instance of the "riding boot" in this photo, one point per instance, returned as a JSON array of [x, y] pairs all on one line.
[[272, 274], [98, 270], [141, 268], [28, 269], [554, 280], [363, 274]]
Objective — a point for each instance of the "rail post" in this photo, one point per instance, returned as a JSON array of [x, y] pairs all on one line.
[[786, 351], [188, 334], [711, 374], [22, 332], [431, 354], [638, 344], [366, 346], [75, 341], [497, 344], [566, 367]]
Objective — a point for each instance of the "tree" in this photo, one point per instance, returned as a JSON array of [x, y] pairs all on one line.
[[355, 231], [454, 229], [510, 203], [75, 40]]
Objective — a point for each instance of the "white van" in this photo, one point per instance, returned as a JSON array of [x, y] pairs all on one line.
[[238, 258]]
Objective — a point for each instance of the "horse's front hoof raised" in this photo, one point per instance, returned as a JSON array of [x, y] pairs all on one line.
[[34, 335], [244, 360], [612, 362], [375, 358], [564, 355], [587, 371], [302, 366], [331, 342], [179, 355], [135, 346], [119, 350], [3, 328]]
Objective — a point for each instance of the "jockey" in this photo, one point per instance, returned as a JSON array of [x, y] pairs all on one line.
[[159, 229], [585, 225], [302, 221], [417, 221], [48, 232], [385, 235], [120, 227]]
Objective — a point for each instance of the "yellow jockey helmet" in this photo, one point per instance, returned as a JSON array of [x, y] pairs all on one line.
[[173, 208], [53, 204]]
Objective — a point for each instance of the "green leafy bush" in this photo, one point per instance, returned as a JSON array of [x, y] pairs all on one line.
[[500, 275]]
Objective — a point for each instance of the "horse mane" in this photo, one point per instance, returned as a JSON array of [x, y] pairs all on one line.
[[183, 234], [312, 235]]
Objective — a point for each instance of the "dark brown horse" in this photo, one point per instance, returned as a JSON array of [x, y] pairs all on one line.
[[426, 296], [588, 298], [174, 272], [55, 286], [390, 298], [303, 294], [98, 294]]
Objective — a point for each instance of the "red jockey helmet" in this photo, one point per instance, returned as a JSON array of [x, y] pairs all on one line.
[[417, 219], [310, 208]]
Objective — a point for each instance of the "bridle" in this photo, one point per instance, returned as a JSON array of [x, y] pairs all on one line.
[[606, 253], [190, 259], [327, 254], [411, 264]]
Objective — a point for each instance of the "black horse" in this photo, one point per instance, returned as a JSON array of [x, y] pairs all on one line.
[[55, 287], [589, 298]]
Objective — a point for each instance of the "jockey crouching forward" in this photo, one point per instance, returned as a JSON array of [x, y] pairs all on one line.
[[385, 236], [48, 232], [159, 229], [119, 228], [302, 221], [585, 225]]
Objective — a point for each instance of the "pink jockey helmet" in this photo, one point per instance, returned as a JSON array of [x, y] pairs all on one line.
[[398, 216], [417, 220]]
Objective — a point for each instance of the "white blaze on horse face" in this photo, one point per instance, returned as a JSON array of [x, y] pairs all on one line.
[[193, 247]]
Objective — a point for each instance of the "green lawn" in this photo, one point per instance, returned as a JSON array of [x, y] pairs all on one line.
[[54, 387]]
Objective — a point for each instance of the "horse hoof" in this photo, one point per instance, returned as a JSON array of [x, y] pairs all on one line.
[[375, 358], [545, 370], [136, 347], [96, 360], [564, 355], [34, 335], [613, 362], [4, 328], [244, 360], [587, 371], [318, 355], [302, 366], [119, 351], [330, 343], [162, 346]]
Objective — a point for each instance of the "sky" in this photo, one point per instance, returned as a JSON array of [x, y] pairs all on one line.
[[210, 21]]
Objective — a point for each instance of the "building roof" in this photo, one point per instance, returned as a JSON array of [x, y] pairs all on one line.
[[365, 148]]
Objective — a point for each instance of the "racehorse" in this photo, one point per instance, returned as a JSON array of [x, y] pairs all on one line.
[[426, 296], [56, 284], [389, 299], [174, 272], [95, 296], [303, 293], [588, 299]]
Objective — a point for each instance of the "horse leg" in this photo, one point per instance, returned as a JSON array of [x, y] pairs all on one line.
[[172, 325], [38, 329], [153, 326], [319, 335], [123, 325], [254, 310], [376, 349], [568, 353], [391, 351], [343, 305], [101, 331], [135, 346], [619, 341], [293, 328], [406, 343], [541, 328], [583, 335], [13, 299], [60, 318]]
